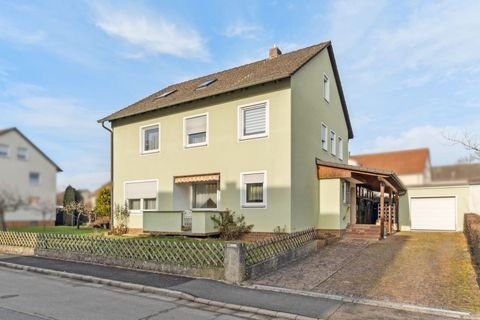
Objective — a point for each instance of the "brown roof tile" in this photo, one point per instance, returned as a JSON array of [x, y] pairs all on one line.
[[236, 78], [457, 172], [400, 162]]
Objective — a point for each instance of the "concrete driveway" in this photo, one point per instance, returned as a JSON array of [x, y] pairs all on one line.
[[420, 268]]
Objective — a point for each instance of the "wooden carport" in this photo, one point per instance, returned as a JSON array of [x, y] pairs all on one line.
[[378, 180]]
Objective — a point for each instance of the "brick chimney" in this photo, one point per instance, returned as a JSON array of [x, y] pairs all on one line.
[[274, 52]]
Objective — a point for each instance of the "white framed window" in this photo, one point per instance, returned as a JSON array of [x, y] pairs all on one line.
[[205, 195], [150, 138], [340, 148], [34, 178], [141, 195], [253, 189], [4, 150], [195, 130], [135, 204], [326, 87], [22, 153], [346, 192], [333, 142], [253, 120], [324, 137]]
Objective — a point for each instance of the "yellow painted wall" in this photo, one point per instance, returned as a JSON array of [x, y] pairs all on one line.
[[224, 153], [462, 193], [329, 216], [309, 110]]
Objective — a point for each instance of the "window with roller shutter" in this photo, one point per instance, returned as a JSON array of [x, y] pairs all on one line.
[[196, 131], [253, 121]]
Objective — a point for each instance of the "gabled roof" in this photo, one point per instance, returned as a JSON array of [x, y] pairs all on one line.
[[401, 162], [4, 131], [469, 172], [259, 72]]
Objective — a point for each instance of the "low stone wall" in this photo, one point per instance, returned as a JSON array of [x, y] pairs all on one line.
[[283, 259], [472, 233], [214, 273]]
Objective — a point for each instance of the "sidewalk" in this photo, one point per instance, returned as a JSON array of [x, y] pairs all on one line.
[[313, 307]]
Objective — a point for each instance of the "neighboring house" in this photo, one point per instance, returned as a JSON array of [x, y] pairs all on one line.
[[29, 174], [413, 167], [252, 139], [437, 197]]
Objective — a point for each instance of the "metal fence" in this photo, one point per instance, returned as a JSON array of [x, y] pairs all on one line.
[[266, 249], [175, 252]]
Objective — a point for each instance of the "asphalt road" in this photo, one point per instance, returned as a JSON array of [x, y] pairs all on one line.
[[29, 296]]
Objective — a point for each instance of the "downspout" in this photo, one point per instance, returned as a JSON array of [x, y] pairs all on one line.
[[111, 173]]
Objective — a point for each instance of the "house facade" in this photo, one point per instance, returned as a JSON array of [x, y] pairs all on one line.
[[27, 173], [245, 139]]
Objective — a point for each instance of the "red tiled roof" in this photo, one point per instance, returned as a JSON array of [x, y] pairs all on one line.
[[400, 162]]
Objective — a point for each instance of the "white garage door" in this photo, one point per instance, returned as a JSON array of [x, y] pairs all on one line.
[[433, 213]]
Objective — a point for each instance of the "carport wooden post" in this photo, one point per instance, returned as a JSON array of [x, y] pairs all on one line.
[[397, 204], [382, 208], [390, 200]]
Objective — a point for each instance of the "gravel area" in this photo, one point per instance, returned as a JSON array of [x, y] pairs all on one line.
[[423, 268]]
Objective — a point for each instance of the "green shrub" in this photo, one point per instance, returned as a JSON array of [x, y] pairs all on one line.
[[231, 227]]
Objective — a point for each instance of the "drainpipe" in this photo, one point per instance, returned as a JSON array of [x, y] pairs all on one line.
[[111, 173]]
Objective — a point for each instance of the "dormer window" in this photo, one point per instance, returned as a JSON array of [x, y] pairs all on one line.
[[205, 84]]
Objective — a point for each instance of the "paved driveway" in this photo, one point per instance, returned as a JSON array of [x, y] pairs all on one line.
[[427, 269]]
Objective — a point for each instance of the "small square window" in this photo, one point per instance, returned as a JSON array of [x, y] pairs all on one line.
[[22, 154], [253, 121], [3, 150], [151, 139], [34, 178], [253, 193], [326, 88], [150, 204], [196, 131], [134, 204]]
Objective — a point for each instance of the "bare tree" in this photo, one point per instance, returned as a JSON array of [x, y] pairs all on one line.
[[8, 202], [81, 209], [45, 207], [469, 141]]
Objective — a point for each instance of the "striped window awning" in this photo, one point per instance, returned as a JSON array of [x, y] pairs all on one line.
[[198, 178]]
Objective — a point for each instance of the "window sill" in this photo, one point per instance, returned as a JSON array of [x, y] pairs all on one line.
[[254, 206], [149, 152], [197, 145], [204, 209], [252, 137]]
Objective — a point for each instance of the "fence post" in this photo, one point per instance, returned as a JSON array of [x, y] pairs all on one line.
[[235, 262]]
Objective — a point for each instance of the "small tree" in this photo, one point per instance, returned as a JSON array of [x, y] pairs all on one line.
[[81, 209], [102, 204], [468, 141], [69, 196], [8, 202], [231, 227], [120, 219]]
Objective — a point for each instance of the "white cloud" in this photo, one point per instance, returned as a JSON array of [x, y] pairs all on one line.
[[63, 128], [13, 33], [150, 33], [442, 151], [243, 29], [437, 36]]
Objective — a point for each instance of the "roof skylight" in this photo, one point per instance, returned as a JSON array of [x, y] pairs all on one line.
[[206, 83], [166, 94]]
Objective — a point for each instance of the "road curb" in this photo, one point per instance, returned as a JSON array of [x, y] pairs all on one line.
[[155, 290], [371, 302]]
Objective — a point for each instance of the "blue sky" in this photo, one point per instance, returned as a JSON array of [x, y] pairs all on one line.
[[410, 69]]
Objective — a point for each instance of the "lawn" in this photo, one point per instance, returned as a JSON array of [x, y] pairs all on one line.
[[60, 230]]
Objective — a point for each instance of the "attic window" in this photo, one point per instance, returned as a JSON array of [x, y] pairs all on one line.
[[166, 94], [205, 84]]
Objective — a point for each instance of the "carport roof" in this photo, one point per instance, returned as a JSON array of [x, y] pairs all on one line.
[[369, 176]]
